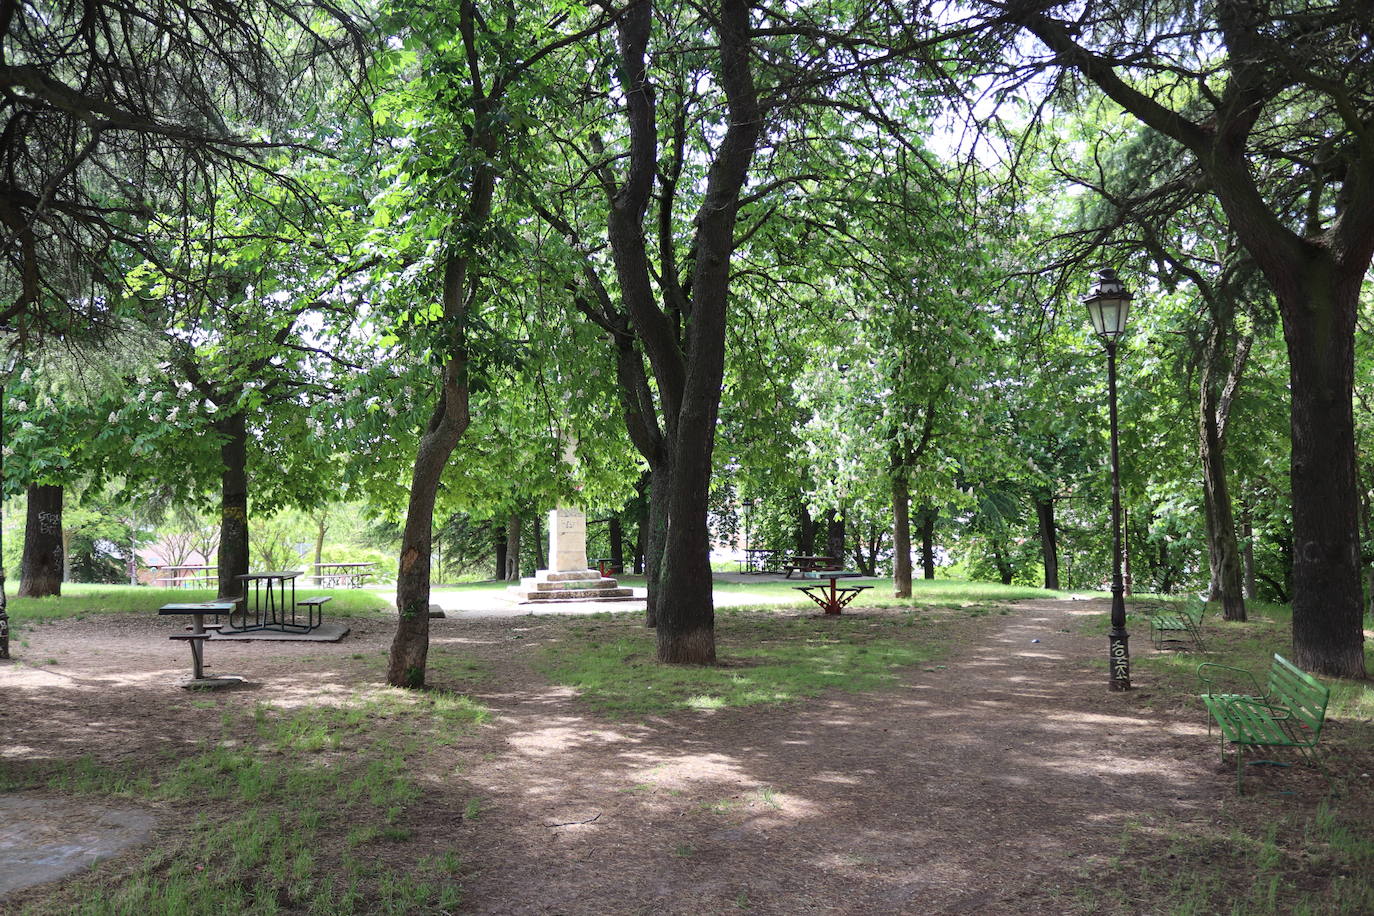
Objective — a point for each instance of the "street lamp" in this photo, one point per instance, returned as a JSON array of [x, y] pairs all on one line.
[[7, 361], [1108, 306]]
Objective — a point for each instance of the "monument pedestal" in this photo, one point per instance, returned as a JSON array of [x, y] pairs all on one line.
[[571, 585], [569, 579]]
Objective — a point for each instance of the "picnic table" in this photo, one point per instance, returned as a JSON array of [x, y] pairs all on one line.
[[831, 597], [607, 566], [805, 564], [185, 576], [200, 632], [273, 605], [757, 559], [343, 575]]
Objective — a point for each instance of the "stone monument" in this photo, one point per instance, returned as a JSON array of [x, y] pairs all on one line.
[[568, 578]]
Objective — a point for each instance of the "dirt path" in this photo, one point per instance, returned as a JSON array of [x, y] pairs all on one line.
[[977, 787], [983, 784]]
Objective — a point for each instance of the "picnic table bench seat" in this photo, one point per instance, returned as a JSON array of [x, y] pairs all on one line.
[[1289, 712], [314, 609]]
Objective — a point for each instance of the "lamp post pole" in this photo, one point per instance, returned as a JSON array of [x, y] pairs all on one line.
[[9, 360], [1108, 305], [1119, 653]]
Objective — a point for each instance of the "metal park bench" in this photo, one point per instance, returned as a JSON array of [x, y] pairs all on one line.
[[1179, 629], [1289, 712]]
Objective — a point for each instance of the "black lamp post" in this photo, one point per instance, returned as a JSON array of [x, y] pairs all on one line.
[[7, 362], [1108, 306]]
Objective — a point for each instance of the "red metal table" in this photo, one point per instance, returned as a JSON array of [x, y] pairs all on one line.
[[829, 596]]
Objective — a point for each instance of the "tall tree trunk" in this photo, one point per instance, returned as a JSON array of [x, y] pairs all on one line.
[[512, 571], [66, 555], [41, 566], [834, 535], [806, 532], [616, 533], [1248, 552], [233, 511], [321, 529], [928, 542], [901, 536], [1319, 326], [501, 547], [1049, 540], [660, 487], [1213, 414], [999, 559]]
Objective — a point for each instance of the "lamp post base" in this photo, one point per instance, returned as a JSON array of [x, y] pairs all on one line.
[[1118, 659]]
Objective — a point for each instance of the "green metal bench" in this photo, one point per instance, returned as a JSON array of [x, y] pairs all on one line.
[[1289, 712], [1179, 630]]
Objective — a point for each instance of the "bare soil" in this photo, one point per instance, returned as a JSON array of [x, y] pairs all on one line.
[[999, 780]]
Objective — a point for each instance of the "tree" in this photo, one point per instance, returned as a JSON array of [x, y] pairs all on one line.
[[1247, 89]]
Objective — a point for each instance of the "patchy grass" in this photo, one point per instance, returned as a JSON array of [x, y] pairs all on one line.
[[1266, 853], [284, 811], [771, 659]]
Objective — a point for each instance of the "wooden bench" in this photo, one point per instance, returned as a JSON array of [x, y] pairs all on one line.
[[1289, 712], [1179, 629]]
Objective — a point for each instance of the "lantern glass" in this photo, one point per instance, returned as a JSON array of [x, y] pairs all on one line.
[[1109, 306]]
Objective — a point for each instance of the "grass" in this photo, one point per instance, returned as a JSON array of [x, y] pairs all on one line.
[[80, 601], [772, 659], [282, 811], [1267, 852]]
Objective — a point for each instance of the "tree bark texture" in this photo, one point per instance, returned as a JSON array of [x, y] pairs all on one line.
[[321, 529], [233, 505], [40, 570], [806, 532], [512, 571], [928, 542], [901, 536], [616, 532], [1049, 540], [1223, 549], [834, 535]]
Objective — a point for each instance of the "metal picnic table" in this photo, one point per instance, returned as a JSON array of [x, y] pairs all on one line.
[[200, 632], [830, 597]]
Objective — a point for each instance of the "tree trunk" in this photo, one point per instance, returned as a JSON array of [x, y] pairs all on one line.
[[511, 573], [617, 536], [41, 566], [66, 555], [233, 513], [928, 542], [321, 528], [901, 536], [1127, 582], [806, 533], [1049, 540], [834, 535], [999, 559], [1319, 325], [1214, 410], [660, 485], [1248, 552], [500, 545]]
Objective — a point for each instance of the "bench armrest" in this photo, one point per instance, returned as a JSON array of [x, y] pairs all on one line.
[[1207, 670]]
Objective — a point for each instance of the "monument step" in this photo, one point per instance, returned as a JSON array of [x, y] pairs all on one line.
[[567, 575], [563, 585], [567, 594]]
